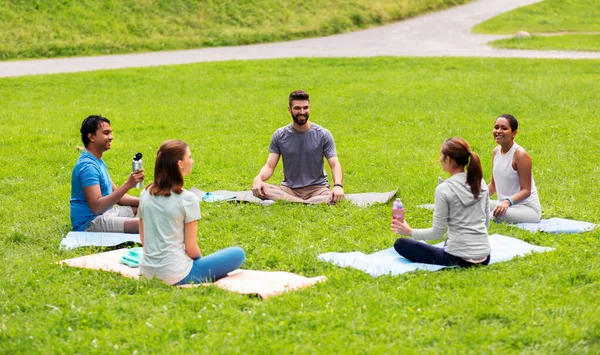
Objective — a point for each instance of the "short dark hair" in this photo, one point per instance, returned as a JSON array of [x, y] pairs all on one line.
[[512, 121], [300, 95], [91, 125]]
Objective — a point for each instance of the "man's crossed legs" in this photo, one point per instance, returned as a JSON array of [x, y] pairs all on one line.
[[308, 194], [119, 219]]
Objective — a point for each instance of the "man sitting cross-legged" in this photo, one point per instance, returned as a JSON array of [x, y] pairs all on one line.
[[302, 145]]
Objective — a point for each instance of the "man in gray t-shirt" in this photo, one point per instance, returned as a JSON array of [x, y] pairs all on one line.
[[302, 145]]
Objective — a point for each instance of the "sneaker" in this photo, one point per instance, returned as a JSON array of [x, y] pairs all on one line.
[[267, 202]]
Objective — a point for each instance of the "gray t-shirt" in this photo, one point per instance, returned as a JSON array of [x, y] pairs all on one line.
[[164, 220], [302, 154]]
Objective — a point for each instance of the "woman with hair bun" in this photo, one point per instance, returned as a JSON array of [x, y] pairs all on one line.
[[461, 206], [512, 178], [169, 217]]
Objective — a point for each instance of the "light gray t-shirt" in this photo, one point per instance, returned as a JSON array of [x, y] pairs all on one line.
[[164, 219], [302, 154]]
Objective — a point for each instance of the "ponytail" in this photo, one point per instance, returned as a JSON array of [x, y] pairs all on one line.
[[474, 174], [458, 149]]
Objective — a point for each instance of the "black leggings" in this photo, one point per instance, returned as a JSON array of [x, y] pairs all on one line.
[[428, 254]]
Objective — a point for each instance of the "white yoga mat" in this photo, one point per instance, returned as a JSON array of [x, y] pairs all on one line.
[[85, 239], [389, 262], [557, 225]]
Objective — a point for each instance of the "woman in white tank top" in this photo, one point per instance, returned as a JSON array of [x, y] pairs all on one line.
[[512, 178]]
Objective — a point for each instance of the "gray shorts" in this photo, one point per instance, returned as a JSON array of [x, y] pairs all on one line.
[[111, 221]]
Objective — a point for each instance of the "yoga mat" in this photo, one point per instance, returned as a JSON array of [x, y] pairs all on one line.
[[552, 225], [388, 262], [107, 261], [362, 200], [85, 239], [265, 284], [427, 206], [557, 225], [366, 199], [224, 195]]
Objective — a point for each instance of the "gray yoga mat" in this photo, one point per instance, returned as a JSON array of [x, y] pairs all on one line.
[[362, 200]]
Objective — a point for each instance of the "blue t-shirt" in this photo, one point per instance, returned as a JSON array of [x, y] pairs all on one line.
[[88, 171]]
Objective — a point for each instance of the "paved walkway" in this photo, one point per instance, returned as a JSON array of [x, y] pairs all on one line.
[[444, 33]]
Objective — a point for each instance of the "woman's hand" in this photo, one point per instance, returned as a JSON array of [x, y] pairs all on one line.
[[401, 227], [501, 208]]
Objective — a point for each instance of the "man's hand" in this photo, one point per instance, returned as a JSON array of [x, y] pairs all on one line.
[[501, 208], [135, 177], [337, 194], [258, 188]]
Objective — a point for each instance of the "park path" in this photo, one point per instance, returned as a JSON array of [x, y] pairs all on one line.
[[443, 33]]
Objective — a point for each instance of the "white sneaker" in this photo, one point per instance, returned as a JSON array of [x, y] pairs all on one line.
[[267, 202]]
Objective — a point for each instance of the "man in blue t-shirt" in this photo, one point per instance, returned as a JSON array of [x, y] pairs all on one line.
[[97, 205], [302, 145]]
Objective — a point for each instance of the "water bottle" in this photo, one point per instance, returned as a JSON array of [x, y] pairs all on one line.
[[398, 210], [136, 164]]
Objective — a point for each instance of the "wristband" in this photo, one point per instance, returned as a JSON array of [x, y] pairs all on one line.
[[510, 201], [340, 185]]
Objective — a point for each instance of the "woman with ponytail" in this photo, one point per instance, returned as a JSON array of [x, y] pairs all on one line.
[[461, 206], [169, 217]]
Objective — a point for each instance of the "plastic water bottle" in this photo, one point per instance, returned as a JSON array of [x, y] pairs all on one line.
[[398, 210], [136, 164]]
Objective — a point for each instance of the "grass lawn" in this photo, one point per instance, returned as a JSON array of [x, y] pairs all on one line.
[[578, 42], [549, 16], [389, 117], [36, 29]]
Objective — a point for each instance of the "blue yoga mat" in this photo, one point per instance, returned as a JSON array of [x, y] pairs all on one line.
[[557, 225], [84, 239], [388, 262]]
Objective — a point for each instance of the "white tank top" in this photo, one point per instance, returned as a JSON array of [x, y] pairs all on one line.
[[506, 178]]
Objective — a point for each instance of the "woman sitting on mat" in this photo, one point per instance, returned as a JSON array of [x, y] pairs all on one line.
[[462, 206], [512, 178], [169, 225]]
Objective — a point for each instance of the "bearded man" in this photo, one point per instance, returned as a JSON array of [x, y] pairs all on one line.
[[302, 145]]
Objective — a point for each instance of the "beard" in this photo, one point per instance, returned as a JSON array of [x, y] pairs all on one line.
[[300, 119]]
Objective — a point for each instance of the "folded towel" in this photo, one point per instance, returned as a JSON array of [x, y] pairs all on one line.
[[131, 257]]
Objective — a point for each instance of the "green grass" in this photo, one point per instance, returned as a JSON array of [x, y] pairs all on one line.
[[549, 16], [36, 29], [389, 117], [565, 42]]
